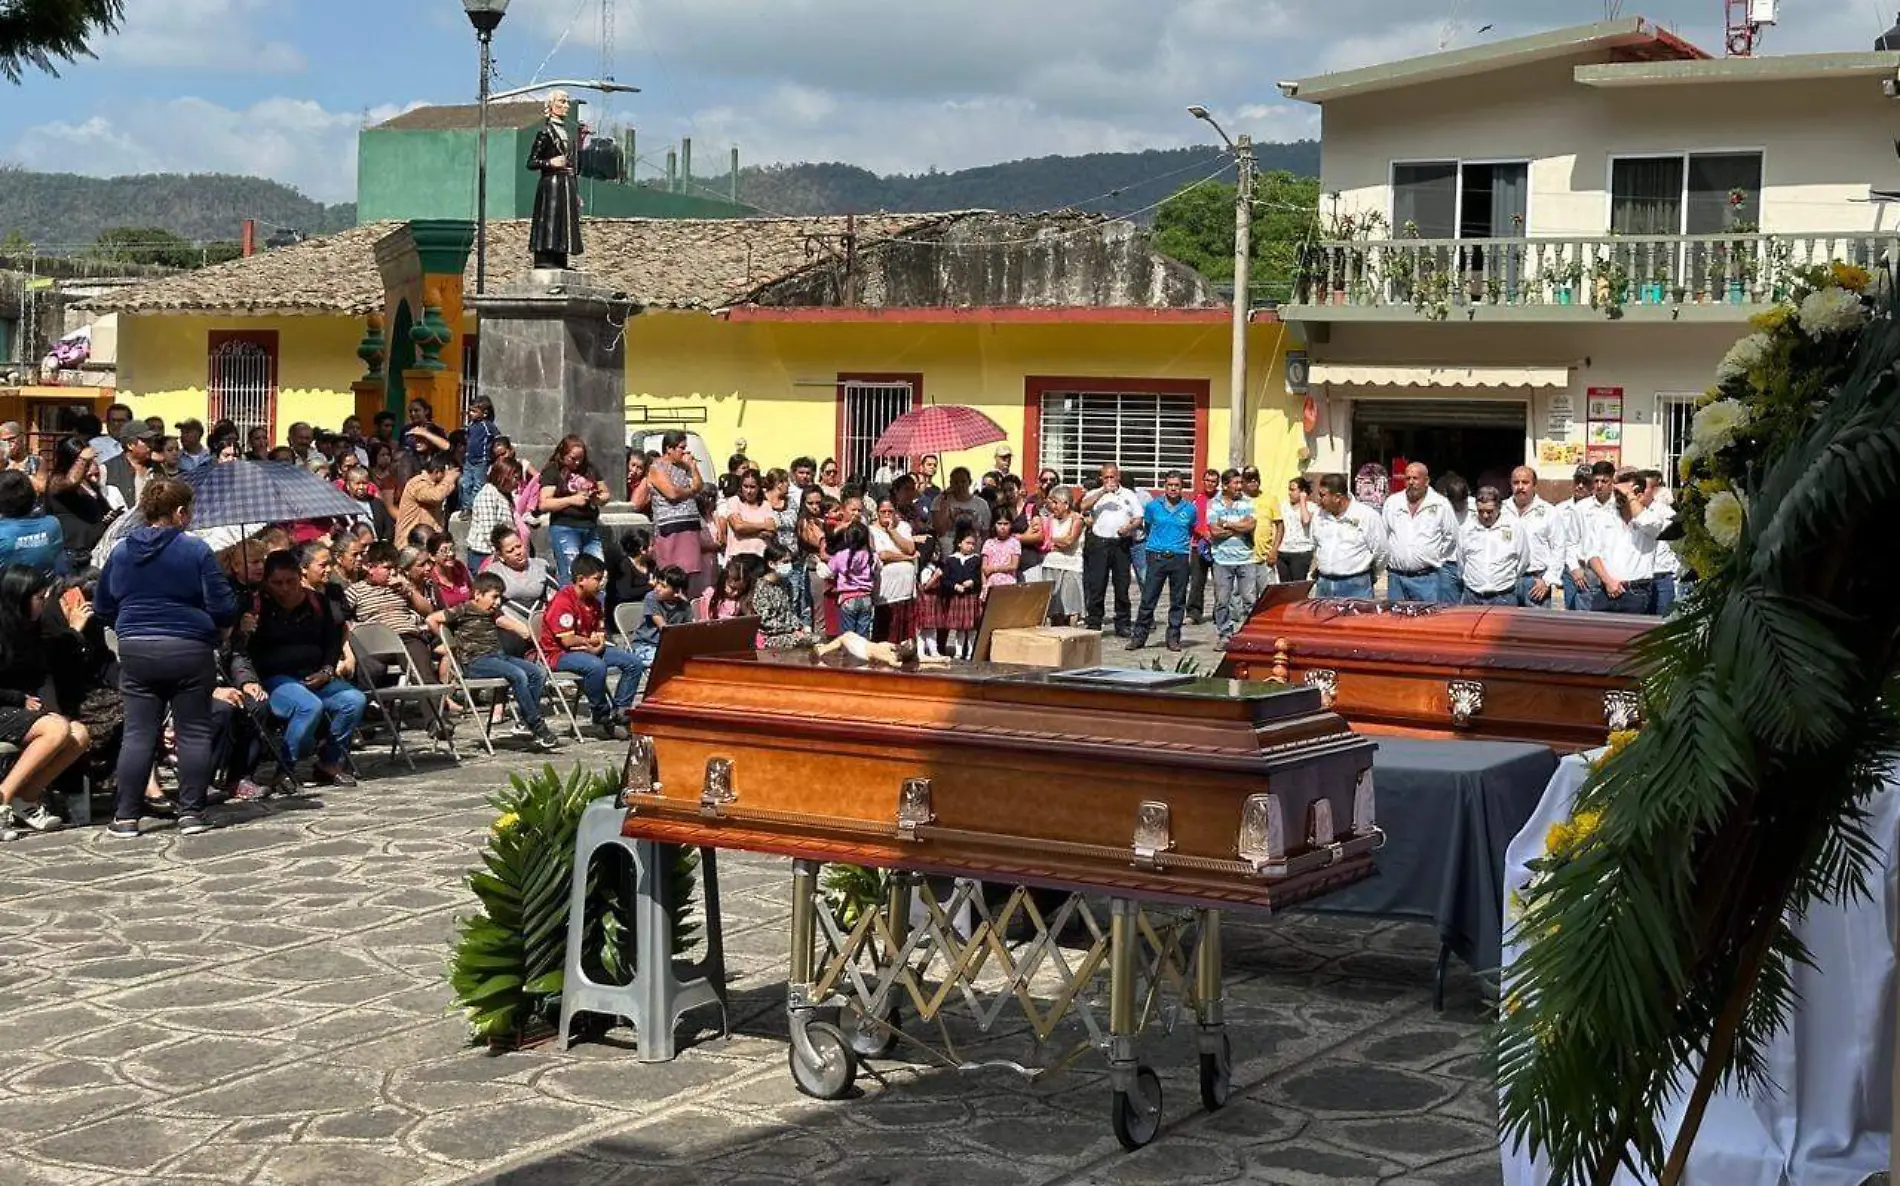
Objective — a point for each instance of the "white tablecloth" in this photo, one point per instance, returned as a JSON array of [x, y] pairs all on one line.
[[1831, 1119]]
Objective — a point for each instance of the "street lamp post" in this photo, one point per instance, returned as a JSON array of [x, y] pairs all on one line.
[[485, 15], [1238, 428]]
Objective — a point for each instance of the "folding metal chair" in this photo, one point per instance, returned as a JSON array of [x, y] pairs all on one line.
[[374, 641], [497, 691], [626, 621], [564, 687]]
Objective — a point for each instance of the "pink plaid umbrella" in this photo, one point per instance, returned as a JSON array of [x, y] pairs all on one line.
[[938, 428]]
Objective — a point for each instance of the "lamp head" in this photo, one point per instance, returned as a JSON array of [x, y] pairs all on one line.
[[485, 14], [1198, 111]]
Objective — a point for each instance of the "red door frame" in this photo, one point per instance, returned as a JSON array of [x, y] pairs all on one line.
[[1037, 386], [915, 379], [266, 338]]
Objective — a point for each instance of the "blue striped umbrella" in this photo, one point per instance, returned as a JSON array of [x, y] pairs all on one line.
[[257, 493]]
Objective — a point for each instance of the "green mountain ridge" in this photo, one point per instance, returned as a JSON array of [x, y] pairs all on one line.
[[62, 213]]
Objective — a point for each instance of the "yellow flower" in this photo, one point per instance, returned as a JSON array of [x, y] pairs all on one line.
[[1852, 277], [506, 821], [1724, 518], [1712, 486], [1770, 320]]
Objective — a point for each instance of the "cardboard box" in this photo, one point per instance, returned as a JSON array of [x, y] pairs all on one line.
[[1059, 647]]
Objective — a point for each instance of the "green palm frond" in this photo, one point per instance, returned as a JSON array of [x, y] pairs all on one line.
[[1661, 957], [38, 34]]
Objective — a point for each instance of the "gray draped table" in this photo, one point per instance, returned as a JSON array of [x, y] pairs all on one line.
[[1449, 810]]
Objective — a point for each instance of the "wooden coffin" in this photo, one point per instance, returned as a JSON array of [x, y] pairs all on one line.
[[1483, 672], [1212, 792]]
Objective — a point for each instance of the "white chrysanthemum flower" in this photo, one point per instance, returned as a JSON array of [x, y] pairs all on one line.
[[1716, 425], [1830, 311], [1724, 517], [1743, 357]]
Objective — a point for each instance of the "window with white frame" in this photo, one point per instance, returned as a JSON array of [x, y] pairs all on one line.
[[241, 380], [869, 408], [1460, 199], [1674, 415], [1146, 434]]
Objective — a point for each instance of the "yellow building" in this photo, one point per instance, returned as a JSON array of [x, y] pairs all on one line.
[[795, 336]]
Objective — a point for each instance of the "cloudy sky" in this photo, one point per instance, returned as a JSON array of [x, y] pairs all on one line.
[[280, 87]]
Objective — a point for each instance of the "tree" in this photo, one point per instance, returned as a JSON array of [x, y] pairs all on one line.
[[1196, 226], [36, 33], [15, 243], [147, 245]]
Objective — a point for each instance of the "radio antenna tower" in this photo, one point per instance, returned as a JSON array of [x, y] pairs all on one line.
[[1745, 20]]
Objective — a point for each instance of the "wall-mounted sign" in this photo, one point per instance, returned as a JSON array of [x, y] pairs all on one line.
[[1297, 368], [1605, 403], [1559, 415], [1560, 454]]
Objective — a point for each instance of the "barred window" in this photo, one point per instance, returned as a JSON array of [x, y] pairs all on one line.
[[869, 408], [1145, 433], [1674, 415], [241, 379]]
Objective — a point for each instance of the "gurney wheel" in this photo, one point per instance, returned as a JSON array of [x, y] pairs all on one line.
[[867, 1038], [1217, 1076], [1136, 1115], [836, 1069]]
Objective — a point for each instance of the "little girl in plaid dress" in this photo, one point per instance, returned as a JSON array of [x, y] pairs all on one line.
[[927, 607], [962, 585]]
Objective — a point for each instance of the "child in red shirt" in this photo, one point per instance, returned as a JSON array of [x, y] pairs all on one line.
[[575, 639]]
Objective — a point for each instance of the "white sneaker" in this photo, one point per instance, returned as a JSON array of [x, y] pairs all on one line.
[[39, 819]]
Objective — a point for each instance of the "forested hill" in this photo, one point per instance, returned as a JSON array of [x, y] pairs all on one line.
[[1109, 182], [62, 212]]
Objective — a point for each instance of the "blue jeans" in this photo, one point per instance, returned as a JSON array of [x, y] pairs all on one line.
[[1666, 595], [1636, 599], [1357, 587], [1169, 569], [569, 542], [527, 681], [476, 560], [1508, 597], [338, 703], [1524, 586], [1580, 597], [856, 614], [593, 671], [1429, 586]]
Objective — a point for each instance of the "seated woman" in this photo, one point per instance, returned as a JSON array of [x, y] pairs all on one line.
[[48, 742], [295, 657]]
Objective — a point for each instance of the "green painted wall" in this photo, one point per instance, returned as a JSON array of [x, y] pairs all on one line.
[[404, 174]]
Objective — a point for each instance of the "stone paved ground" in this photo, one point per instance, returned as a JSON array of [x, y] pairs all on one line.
[[265, 1005]]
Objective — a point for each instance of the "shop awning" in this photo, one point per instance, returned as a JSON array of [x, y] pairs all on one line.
[[1360, 375]]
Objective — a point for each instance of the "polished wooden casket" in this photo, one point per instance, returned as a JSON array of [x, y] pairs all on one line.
[[1485, 672], [1141, 784]]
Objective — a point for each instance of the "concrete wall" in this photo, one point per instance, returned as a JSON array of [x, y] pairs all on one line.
[[1823, 142], [163, 364]]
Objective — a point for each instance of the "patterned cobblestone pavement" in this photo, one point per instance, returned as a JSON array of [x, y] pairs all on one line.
[[265, 1004]]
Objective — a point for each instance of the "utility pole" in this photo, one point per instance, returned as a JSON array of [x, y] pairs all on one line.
[[1238, 430], [481, 167]]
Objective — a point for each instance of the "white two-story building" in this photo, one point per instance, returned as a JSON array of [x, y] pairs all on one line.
[[1537, 250]]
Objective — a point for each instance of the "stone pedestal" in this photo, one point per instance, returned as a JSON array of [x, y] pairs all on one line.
[[553, 359]]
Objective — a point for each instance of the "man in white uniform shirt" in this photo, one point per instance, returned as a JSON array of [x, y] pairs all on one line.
[[1421, 538], [1620, 546], [1543, 535], [1114, 514], [1581, 588], [1668, 564], [1348, 542], [1493, 550]]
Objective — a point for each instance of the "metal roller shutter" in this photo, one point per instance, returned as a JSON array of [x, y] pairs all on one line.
[[1439, 413]]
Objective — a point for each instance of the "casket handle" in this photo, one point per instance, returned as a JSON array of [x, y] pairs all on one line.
[[1622, 710], [913, 808], [1327, 681], [717, 793], [1153, 834], [1467, 701], [638, 775]]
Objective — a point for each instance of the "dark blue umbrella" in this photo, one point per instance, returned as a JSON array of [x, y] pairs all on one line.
[[256, 493]]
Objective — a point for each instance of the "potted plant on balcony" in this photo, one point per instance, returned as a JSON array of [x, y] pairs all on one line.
[[1656, 288], [1349, 253], [1610, 279], [1738, 255], [1401, 263], [1563, 276]]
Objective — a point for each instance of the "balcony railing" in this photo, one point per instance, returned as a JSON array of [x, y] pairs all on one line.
[[1435, 278]]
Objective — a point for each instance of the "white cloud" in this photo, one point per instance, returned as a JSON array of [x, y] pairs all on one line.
[[295, 141], [201, 35]]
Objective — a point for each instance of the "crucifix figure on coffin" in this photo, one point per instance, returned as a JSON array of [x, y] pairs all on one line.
[[554, 233]]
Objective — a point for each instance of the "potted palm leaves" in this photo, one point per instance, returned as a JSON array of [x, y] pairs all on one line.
[[1657, 952]]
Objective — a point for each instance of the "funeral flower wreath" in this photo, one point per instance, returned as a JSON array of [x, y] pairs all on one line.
[[1657, 951]]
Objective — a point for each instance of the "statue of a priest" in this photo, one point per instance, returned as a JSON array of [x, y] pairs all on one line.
[[554, 233]]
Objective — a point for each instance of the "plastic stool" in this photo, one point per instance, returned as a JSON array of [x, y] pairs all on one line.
[[659, 993]]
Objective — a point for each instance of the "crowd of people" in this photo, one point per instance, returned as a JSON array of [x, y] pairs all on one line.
[[167, 665], [1606, 547]]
